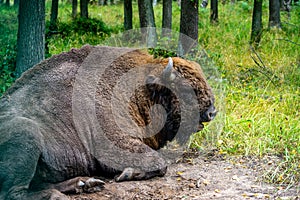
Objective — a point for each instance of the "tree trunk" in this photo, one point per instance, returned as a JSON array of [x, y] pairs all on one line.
[[84, 13], [54, 13], [74, 8], [16, 2], [214, 11], [256, 23], [281, 4], [127, 14], [274, 14], [146, 13], [188, 26], [167, 18], [7, 3], [147, 22], [31, 34]]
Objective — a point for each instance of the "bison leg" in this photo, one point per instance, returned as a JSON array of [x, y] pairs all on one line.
[[20, 149], [150, 165], [131, 159], [129, 174], [79, 185]]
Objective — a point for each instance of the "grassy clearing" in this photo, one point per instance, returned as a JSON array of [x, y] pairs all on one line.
[[262, 99]]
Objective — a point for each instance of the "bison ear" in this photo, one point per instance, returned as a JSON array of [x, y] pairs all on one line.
[[168, 72]]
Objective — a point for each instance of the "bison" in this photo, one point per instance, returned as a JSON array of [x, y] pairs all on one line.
[[76, 116]]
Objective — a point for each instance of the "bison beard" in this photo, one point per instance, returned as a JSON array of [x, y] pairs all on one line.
[[43, 153]]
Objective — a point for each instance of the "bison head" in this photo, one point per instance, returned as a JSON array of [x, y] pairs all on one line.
[[180, 87]]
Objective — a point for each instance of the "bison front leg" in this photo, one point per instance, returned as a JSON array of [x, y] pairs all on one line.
[[129, 174], [79, 185], [20, 149], [137, 161]]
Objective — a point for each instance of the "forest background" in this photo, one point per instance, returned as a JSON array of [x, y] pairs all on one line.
[[262, 83]]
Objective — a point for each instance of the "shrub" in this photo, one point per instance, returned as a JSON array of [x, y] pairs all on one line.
[[7, 67]]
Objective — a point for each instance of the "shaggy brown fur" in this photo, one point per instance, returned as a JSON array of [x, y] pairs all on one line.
[[44, 150]]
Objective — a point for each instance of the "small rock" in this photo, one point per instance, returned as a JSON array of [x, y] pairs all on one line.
[[202, 181], [191, 185], [270, 162], [235, 178]]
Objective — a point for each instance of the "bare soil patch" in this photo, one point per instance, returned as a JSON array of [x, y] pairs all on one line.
[[203, 176]]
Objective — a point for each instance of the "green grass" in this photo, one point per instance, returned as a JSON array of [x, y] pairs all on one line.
[[262, 102], [8, 38]]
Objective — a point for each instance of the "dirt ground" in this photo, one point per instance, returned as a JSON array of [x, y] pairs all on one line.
[[203, 176]]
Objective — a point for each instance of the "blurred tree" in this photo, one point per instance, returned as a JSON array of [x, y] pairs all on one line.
[[53, 16], [146, 13], [214, 11], [274, 14], [256, 23], [84, 12], [31, 34], [167, 18], [188, 26], [7, 3], [74, 8], [147, 21], [16, 2], [105, 2], [127, 14]]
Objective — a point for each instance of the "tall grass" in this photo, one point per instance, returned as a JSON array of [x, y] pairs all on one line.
[[262, 100], [8, 38]]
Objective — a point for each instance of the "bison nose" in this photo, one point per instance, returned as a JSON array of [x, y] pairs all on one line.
[[209, 114]]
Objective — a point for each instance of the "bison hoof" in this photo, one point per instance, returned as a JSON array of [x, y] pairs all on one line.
[[130, 174], [91, 185]]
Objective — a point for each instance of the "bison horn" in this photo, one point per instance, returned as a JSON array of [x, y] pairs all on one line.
[[167, 73]]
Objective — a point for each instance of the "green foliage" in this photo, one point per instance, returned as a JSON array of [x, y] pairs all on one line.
[[161, 51], [7, 67], [82, 26], [80, 30], [246, 6], [8, 30], [158, 52]]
